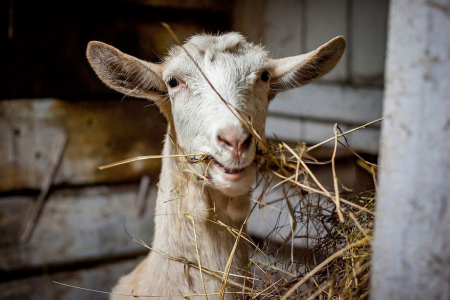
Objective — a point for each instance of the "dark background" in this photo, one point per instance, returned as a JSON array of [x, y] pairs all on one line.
[[45, 54]]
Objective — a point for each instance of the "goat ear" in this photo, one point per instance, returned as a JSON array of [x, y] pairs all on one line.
[[125, 73], [299, 70]]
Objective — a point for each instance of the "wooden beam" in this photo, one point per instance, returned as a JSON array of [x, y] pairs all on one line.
[[103, 278], [411, 249], [75, 225]]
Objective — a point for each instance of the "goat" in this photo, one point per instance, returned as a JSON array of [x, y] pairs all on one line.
[[201, 121]]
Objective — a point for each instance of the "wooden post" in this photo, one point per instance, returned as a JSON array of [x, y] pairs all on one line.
[[411, 257]]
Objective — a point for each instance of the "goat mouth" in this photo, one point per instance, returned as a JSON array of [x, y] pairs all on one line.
[[231, 174], [225, 169]]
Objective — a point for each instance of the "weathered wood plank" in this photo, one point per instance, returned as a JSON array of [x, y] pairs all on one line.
[[101, 278], [282, 28], [369, 31], [331, 103], [411, 249], [13, 213], [326, 20], [98, 133], [75, 225]]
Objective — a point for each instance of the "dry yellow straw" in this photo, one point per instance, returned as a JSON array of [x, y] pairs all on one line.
[[335, 179], [342, 134], [142, 158], [322, 265]]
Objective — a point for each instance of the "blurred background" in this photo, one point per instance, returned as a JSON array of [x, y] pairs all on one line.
[[59, 122]]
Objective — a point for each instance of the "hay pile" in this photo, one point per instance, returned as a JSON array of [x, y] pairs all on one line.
[[335, 229]]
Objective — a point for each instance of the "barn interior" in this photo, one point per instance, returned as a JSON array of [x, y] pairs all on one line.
[[62, 219]]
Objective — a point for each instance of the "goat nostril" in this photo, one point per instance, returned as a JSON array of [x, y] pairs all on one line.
[[224, 141], [248, 141], [234, 143]]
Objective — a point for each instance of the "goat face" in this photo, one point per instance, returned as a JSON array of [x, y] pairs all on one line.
[[207, 112], [209, 90]]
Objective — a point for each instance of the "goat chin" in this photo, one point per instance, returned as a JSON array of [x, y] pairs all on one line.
[[234, 188]]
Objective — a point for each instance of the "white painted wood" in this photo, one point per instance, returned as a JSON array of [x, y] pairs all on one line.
[[325, 20], [312, 132], [369, 30], [284, 129], [76, 225], [365, 140], [101, 278], [412, 230], [330, 102], [282, 28]]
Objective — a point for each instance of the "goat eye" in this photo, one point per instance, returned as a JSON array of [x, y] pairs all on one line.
[[173, 82], [265, 76]]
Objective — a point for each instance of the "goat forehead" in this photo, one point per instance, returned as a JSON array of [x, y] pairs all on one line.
[[242, 65], [223, 64], [229, 41], [229, 55]]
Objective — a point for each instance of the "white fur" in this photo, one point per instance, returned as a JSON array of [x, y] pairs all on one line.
[[233, 67]]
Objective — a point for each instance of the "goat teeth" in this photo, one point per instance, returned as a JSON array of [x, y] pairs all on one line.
[[233, 171], [227, 170]]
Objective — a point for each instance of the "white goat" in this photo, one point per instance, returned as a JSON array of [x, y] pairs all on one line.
[[200, 122]]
